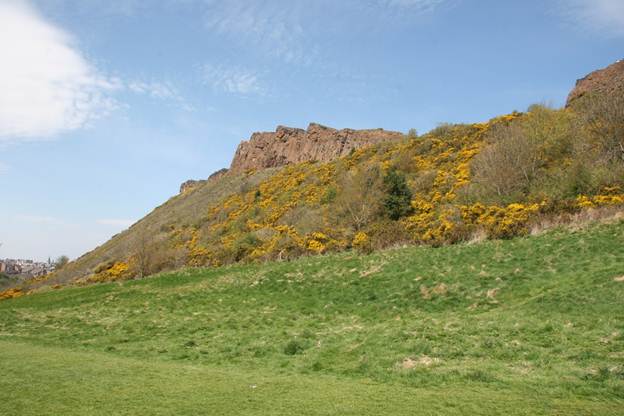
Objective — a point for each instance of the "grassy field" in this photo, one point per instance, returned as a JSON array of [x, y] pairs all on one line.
[[527, 326]]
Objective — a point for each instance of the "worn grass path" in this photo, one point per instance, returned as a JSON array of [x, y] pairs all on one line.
[[56, 381]]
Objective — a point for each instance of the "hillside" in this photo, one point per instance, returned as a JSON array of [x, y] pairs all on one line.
[[526, 326], [296, 192]]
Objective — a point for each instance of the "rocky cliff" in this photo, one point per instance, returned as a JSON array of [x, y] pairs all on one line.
[[606, 80], [291, 145]]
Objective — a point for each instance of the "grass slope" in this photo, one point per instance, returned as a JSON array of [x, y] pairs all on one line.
[[527, 326]]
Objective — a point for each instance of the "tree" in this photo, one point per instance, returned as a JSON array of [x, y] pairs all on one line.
[[61, 262], [142, 253], [359, 196], [398, 199], [603, 116]]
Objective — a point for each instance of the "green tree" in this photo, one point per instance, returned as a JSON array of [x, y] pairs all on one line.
[[397, 202], [61, 262]]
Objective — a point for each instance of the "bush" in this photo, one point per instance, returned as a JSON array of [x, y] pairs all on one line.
[[61, 262], [358, 201], [294, 347], [244, 245], [388, 233], [397, 203], [519, 157], [603, 118]]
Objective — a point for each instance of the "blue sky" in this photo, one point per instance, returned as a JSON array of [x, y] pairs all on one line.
[[106, 106]]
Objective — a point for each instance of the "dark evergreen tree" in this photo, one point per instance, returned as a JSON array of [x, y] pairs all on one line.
[[397, 202]]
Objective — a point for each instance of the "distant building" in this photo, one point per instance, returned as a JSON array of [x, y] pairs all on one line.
[[25, 269]]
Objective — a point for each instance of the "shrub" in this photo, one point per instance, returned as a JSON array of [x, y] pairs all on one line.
[[61, 262], [603, 118], [519, 156], [361, 242], [294, 347], [358, 201], [397, 202]]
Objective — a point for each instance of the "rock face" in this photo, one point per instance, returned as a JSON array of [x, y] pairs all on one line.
[[606, 80], [189, 185], [192, 184], [291, 145]]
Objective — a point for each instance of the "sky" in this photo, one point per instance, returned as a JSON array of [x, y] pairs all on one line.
[[107, 106]]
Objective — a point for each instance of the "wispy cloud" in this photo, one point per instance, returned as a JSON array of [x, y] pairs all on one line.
[[115, 222], [233, 80], [159, 90], [417, 5], [287, 29], [605, 17], [47, 85], [274, 26]]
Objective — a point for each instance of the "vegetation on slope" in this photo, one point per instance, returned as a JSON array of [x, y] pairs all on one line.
[[474, 329], [492, 179], [456, 183]]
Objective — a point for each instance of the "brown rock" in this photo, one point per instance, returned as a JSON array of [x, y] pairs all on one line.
[[192, 184], [606, 80], [189, 185], [291, 145], [216, 175]]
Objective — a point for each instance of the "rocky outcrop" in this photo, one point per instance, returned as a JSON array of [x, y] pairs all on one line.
[[291, 145], [192, 184], [288, 145], [606, 80], [216, 175]]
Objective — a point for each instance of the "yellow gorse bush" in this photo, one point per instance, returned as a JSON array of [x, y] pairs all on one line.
[[293, 212]]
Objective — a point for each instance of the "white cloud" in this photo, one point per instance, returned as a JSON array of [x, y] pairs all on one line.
[[602, 16], [47, 85], [115, 222], [232, 80]]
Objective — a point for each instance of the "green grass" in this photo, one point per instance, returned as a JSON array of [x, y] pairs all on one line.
[[527, 326]]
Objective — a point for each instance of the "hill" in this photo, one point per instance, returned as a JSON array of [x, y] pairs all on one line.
[[298, 192], [527, 326]]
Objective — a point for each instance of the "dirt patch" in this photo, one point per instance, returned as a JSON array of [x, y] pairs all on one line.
[[491, 294], [422, 361], [440, 289], [375, 268], [424, 292], [619, 279]]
